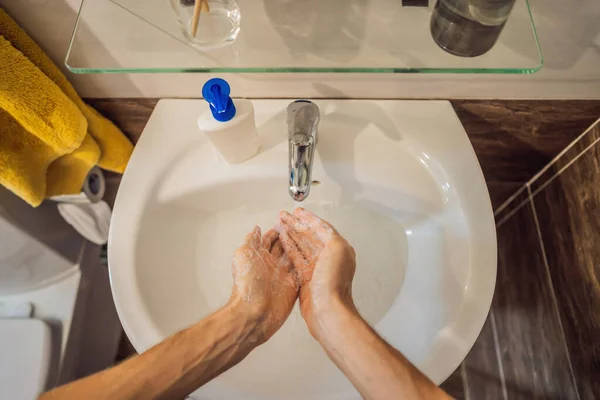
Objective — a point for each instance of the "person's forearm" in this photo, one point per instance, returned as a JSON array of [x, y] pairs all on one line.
[[175, 367], [374, 367]]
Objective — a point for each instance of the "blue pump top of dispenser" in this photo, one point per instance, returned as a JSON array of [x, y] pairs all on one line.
[[216, 92]]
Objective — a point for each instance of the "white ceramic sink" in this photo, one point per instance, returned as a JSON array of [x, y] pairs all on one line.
[[399, 179]]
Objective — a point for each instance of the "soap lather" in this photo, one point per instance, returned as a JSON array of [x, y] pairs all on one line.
[[229, 124]]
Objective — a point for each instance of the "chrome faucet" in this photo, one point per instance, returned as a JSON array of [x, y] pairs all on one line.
[[303, 120]]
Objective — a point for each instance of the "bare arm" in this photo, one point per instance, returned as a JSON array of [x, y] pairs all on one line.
[[326, 264], [376, 369], [175, 367], [263, 295]]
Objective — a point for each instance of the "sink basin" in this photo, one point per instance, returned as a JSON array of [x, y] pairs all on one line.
[[399, 179]]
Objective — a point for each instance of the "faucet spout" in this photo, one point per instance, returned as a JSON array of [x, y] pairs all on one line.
[[303, 120]]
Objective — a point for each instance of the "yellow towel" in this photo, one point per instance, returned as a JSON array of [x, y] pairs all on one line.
[[49, 138]]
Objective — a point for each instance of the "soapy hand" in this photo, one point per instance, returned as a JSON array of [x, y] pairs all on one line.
[[324, 262], [264, 283]]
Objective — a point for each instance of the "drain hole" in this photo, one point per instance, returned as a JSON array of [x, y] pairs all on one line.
[[315, 183]]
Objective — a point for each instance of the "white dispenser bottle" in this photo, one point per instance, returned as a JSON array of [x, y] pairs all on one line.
[[230, 127]]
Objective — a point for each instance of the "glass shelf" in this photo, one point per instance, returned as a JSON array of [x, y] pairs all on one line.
[[371, 36]]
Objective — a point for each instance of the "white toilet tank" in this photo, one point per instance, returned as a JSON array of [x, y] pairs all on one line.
[[25, 350]]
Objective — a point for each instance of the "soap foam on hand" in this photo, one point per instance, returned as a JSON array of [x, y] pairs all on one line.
[[381, 266], [381, 260], [230, 125]]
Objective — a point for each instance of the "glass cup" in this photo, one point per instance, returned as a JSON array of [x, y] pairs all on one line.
[[217, 26], [469, 28]]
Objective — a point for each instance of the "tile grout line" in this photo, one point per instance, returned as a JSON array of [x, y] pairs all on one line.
[[527, 184], [562, 153], [564, 168], [531, 195], [552, 291], [511, 213], [509, 200], [465, 382], [498, 355]]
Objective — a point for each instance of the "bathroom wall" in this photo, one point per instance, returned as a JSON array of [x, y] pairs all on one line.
[[542, 337], [569, 33]]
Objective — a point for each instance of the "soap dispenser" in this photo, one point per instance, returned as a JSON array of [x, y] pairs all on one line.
[[229, 125]]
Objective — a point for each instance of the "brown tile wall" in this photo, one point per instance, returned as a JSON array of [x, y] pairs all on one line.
[[568, 211], [545, 330]]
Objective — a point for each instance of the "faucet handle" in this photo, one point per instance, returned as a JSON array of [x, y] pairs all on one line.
[[303, 118]]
